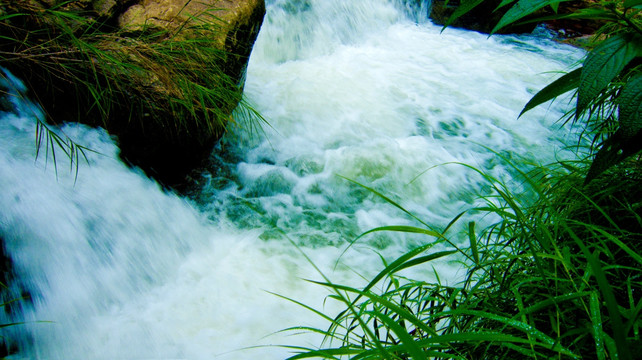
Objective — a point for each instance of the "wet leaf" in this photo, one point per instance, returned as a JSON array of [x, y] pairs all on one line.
[[464, 7], [630, 101], [632, 3], [558, 87], [603, 64], [521, 9]]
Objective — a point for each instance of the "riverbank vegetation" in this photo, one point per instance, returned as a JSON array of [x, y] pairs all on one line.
[[558, 276], [166, 91], [145, 71]]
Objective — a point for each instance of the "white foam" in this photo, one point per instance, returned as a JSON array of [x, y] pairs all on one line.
[[124, 270]]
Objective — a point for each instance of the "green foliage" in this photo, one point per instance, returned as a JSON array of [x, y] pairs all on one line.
[[607, 85], [558, 278], [12, 93], [173, 76], [521, 9]]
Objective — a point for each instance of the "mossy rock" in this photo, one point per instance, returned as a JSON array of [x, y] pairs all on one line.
[[162, 76]]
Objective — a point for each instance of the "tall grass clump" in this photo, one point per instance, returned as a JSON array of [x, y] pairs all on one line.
[[556, 276]]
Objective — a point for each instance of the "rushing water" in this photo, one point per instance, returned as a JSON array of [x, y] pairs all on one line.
[[367, 90]]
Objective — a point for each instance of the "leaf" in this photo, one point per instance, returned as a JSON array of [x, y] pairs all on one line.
[[603, 64], [504, 3], [614, 150], [607, 156], [473, 241], [632, 3], [528, 329], [608, 297], [521, 9], [596, 322], [464, 7], [582, 14], [630, 101], [564, 84], [407, 341]]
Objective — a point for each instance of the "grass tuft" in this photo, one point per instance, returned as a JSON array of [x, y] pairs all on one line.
[[556, 277], [174, 79]]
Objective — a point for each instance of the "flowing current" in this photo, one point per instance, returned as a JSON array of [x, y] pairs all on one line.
[[365, 90]]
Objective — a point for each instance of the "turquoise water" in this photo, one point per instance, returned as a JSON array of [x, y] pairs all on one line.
[[366, 90]]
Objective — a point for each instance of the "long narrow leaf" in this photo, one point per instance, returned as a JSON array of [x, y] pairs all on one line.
[[464, 7], [619, 336], [603, 64], [526, 328], [522, 9], [564, 84], [630, 101], [408, 342], [596, 322]]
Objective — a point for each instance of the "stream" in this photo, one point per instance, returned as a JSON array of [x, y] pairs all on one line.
[[363, 92]]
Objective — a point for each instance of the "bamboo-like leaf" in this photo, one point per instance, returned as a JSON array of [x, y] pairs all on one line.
[[516, 324], [404, 228], [387, 199], [473, 241], [464, 7], [504, 3], [408, 342], [630, 101], [636, 314], [11, 324], [619, 335], [562, 85], [632, 3], [521, 9], [424, 259], [326, 317], [596, 322], [603, 64], [581, 14], [326, 353], [396, 265], [555, 300]]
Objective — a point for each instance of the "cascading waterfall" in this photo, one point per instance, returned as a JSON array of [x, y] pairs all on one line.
[[366, 90]]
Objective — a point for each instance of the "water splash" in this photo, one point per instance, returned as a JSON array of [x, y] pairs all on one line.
[[123, 269]]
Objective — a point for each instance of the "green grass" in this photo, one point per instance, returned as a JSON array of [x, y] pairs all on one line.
[[173, 79], [560, 277]]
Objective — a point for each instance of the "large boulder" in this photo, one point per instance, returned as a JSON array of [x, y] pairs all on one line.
[[162, 76]]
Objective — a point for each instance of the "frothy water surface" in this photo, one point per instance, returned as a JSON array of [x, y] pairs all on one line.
[[117, 268]]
